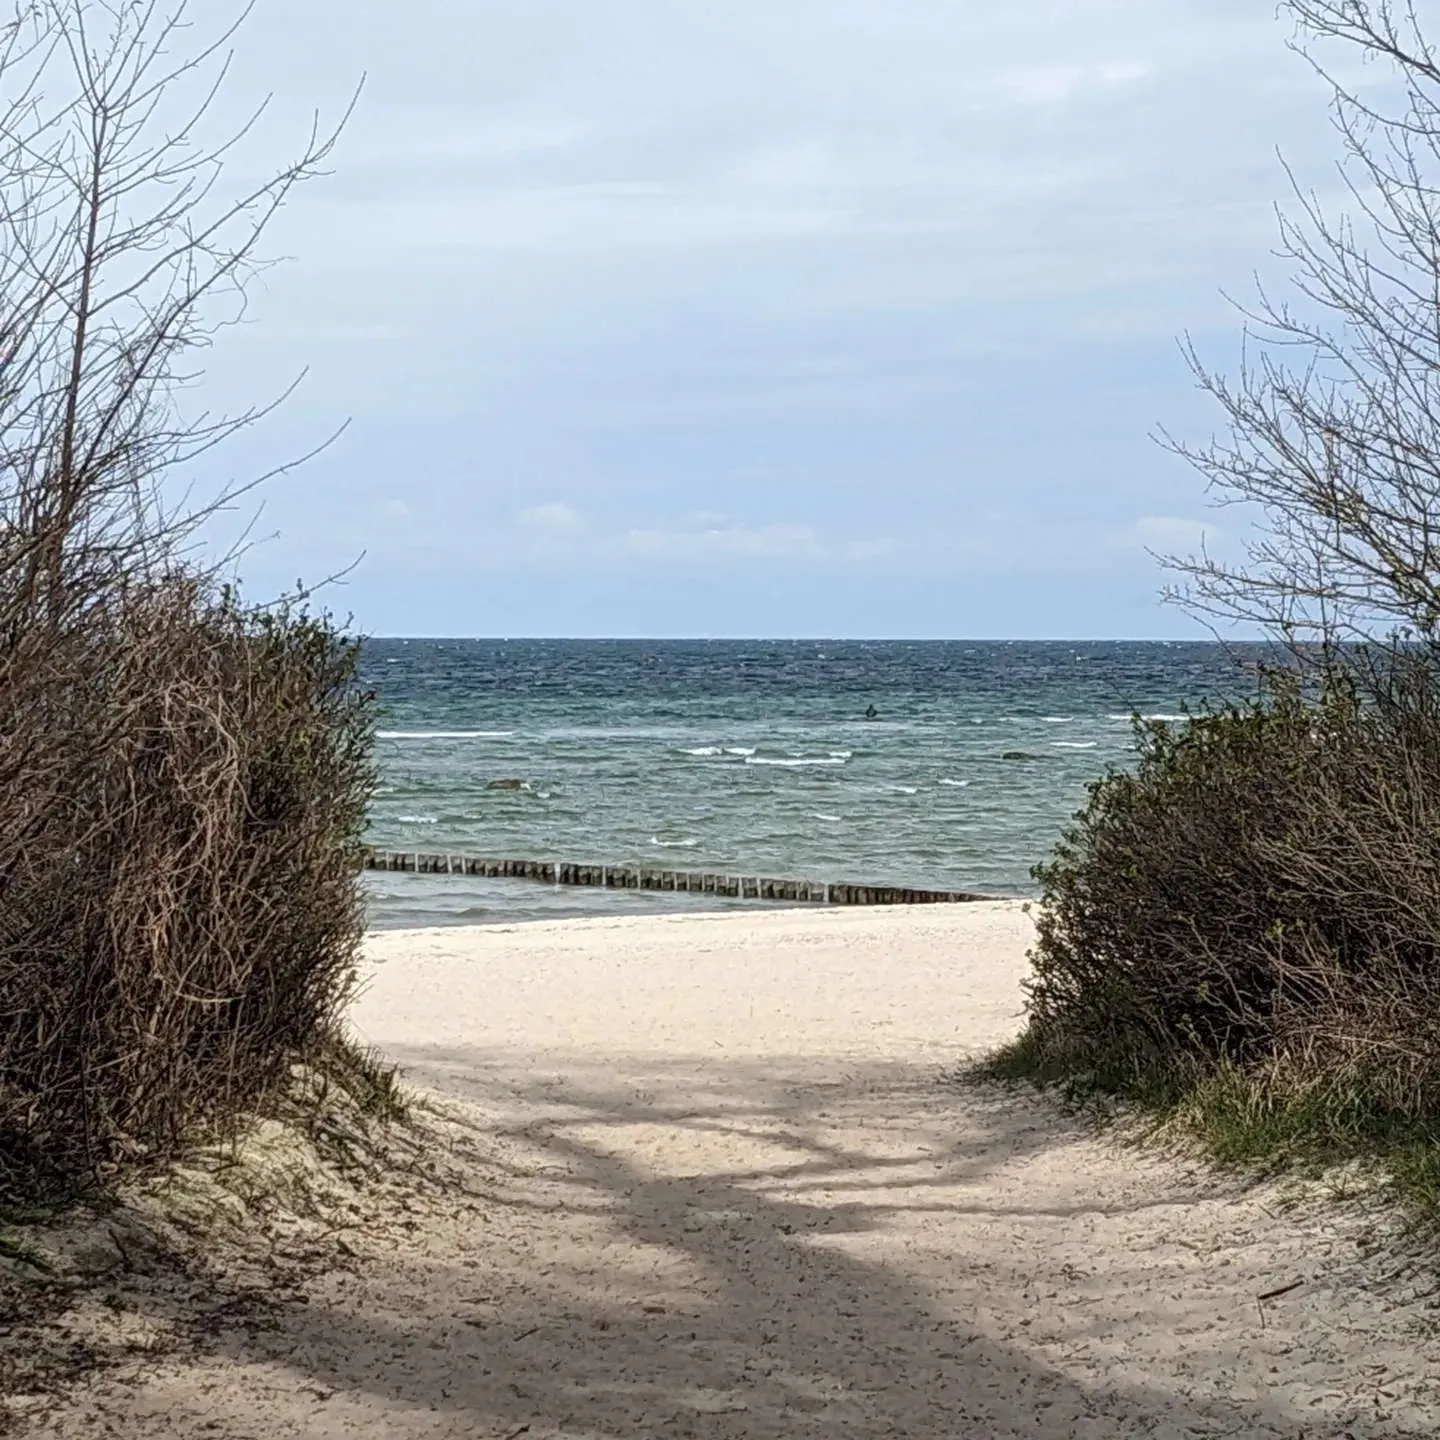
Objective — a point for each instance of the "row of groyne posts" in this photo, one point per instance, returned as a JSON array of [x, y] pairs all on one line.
[[649, 877]]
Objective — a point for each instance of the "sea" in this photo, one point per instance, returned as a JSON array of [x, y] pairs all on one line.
[[947, 764]]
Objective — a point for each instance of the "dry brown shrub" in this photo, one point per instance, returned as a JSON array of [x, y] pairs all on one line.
[[182, 780], [182, 790], [1262, 893]]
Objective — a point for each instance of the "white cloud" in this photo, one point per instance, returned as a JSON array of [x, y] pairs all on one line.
[[857, 262], [1051, 84], [879, 547], [417, 134], [768, 542], [701, 537], [1174, 535], [554, 516], [1120, 72]]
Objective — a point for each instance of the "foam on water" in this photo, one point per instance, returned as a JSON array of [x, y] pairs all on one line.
[[782, 750], [799, 762]]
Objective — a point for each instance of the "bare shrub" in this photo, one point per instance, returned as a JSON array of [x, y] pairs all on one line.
[[182, 780], [180, 907], [1261, 898], [1333, 418], [1247, 927]]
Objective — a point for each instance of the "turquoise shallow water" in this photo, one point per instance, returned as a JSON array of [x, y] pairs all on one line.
[[952, 764]]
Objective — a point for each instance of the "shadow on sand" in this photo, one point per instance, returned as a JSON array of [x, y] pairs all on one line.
[[708, 1299]]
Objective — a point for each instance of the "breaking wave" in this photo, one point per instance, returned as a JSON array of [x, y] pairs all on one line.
[[798, 763]]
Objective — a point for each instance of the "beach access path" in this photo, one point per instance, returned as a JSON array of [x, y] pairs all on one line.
[[713, 1176]]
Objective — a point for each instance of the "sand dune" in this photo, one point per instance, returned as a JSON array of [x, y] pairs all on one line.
[[707, 1176]]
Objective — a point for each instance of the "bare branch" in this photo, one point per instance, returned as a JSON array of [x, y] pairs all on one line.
[[1332, 432]]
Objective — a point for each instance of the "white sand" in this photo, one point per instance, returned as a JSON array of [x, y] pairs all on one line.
[[707, 1177]]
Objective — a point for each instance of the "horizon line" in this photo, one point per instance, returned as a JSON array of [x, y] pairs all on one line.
[[852, 639]]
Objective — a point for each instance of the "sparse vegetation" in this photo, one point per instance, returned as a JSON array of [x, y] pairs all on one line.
[[180, 906], [183, 778], [1243, 935]]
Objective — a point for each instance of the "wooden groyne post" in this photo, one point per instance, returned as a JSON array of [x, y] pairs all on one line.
[[650, 877]]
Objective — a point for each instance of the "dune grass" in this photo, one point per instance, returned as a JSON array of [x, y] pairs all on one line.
[[1251, 1123]]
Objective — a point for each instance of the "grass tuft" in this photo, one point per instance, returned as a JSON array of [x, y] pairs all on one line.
[[1254, 1122], [18, 1247], [1238, 937]]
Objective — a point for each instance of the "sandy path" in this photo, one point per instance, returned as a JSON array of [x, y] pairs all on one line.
[[708, 1180]]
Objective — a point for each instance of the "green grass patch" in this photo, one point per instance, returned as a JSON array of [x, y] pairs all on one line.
[[1253, 1122], [17, 1247], [366, 1076]]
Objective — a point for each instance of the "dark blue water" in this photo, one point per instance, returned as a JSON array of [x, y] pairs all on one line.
[[880, 761]]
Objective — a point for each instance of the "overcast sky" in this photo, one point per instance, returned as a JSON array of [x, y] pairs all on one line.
[[737, 317]]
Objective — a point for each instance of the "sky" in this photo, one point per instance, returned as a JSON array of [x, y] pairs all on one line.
[[734, 318]]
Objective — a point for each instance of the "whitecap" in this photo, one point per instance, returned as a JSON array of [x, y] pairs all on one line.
[[956, 784], [689, 843], [902, 789], [1058, 719], [1074, 744], [701, 750], [444, 734], [1170, 719], [745, 750], [418, 819], [794, 764], [831, 819], [841, 754]]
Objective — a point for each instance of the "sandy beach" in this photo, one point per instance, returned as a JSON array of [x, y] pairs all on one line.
[[714, 1176]]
